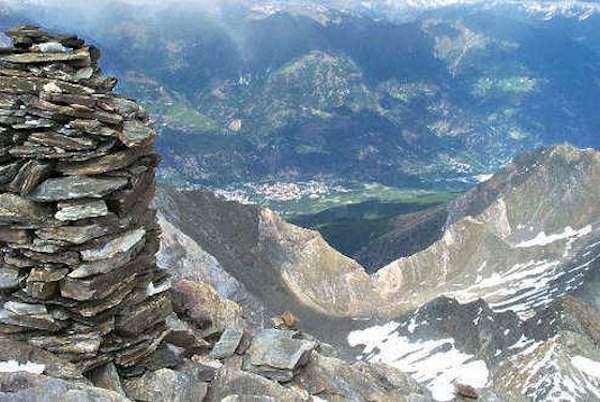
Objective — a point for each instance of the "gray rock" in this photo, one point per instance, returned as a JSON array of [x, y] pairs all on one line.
[[107, 377], [114, 161], [50, 110], [9, 171], [72, 234], [22, 212], [49, 47], [203, 367], [112, 255], [33, 86], [25, 308], [166, 385], [29, 176], [69, 143], [79, 58], [75, 187], [144, 315], [227, 344], [334, 379], [184, 335], [76, 210], [55, 257], [119, 245], [26, 315], [24, 352], [231, 381], [10, 278], [94, 127], [136, 133], [28, 387], [276, 354], [42, 283], [14, 236]]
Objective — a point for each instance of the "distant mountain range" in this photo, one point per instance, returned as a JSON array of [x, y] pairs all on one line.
[[290, 91]]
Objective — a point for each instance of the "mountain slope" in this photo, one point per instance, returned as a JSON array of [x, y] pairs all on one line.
[[523, 238], [509, 288]]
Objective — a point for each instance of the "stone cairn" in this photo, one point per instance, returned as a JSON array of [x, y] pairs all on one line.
[[77, 236]]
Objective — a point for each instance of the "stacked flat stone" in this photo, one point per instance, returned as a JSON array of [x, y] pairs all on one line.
[[77, 236]]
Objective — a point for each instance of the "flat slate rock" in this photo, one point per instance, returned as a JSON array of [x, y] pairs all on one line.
[[166, 385], [10, 278], [276, 354], [17, 210], [76, 187], [107, 163], [73, 234], [119, 245], [29, 176], [81, 57], [81, 209], [227, 344]]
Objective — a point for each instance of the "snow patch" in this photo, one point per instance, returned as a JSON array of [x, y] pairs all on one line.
[[587, 366], [482, 178], [542, 239], [13, 366], [435, 363], [153, 290]]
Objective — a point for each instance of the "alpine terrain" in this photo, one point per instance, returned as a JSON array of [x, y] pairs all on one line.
[[298, 201]]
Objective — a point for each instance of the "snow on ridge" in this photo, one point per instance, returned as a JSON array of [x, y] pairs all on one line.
[[12, 366], [542, 239], [482, 178], [587, 366], [525, 287], [435, 363]]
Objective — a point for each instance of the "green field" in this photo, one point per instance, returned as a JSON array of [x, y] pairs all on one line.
[[350, 221]]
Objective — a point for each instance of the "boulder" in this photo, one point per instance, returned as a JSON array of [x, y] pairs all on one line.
[[198, 303], [231, 382], [277, 354], [227, 344], [166, 385], [22, 386], [333, 379]]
